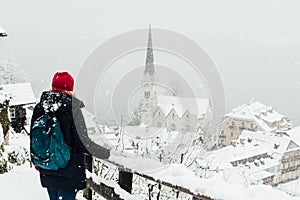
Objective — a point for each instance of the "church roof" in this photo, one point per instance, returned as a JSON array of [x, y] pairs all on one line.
[[196, 106], [149, 65]]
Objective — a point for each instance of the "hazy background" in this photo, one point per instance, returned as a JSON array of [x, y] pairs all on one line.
[[255, 45]]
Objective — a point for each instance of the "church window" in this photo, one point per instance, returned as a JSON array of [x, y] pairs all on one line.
[[147, 94], [173, 127]]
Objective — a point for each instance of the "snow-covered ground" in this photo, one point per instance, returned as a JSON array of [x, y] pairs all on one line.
[[22, 182]]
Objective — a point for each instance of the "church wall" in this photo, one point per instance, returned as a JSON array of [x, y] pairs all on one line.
[[159, 118], [189, 122], [173, 122]]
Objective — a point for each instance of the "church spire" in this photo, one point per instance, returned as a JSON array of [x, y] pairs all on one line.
[[149, 68]]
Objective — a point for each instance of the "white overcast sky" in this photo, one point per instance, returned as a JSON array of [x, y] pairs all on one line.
[[255, 45]]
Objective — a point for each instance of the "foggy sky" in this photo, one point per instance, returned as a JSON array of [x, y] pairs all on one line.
[[255, 45]]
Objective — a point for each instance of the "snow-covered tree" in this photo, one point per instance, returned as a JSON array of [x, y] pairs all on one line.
[[4, 120]]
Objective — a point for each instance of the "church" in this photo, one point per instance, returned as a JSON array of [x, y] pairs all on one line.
[[186, 114]]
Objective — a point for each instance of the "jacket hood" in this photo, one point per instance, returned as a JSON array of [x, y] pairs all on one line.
[[59, 102]]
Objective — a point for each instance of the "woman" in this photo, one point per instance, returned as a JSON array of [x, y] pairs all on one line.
[[63, 183]]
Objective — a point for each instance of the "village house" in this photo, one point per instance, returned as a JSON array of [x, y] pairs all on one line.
[[254, 117], [20, 97], [175, 113], [257, 158]]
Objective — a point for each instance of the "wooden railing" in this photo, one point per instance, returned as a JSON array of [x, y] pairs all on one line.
[[125, 181]]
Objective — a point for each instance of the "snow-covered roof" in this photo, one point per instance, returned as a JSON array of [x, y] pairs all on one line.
[[142, 132], [267, 141], [259, 175], [259, 113], [294, 133], [196, 106], [269, 146], [20, 93]]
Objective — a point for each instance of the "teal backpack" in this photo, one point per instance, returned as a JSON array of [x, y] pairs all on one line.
[[48, 147]]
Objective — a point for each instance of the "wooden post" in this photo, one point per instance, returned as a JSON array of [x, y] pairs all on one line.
[[159, 190], [125, 180], [87, 193]]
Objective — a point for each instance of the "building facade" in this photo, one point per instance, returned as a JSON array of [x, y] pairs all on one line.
[[183, 113], [253, 117]]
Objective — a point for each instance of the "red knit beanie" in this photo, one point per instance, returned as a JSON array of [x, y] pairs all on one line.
[[62, 81]]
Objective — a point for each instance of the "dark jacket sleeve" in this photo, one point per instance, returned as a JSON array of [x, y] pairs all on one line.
[[82, 140]]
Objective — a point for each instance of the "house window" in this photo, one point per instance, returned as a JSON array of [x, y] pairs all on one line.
[[231, 134], [173, 115], [243, 125], [187, 116], [251, 126], [12, 113]]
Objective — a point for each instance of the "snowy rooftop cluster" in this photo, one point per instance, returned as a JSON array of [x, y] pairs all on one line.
[[253, 155], [196, 106], [264, 116], [21, 93]]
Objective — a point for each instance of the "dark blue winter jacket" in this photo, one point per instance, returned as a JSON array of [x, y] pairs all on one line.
[[67, 109]]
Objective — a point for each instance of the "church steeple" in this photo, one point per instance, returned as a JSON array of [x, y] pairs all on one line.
[[148, 102], [149, 66]]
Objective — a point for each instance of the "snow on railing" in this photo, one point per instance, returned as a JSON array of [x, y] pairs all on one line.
[[141, 167]]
